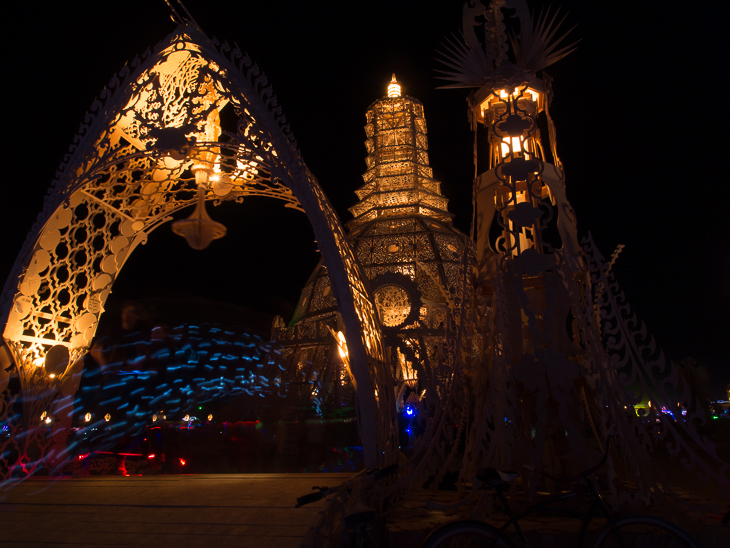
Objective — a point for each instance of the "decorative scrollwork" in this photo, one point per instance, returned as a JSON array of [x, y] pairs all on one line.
[[132, 166]]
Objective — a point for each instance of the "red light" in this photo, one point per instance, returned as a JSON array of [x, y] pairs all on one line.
[[151, 456], [182, 461], [82, 457]]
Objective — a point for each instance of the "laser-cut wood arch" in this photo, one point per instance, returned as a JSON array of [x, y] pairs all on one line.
[[131, 166]]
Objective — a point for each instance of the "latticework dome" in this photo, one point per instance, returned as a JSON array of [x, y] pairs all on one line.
[[403, 237]]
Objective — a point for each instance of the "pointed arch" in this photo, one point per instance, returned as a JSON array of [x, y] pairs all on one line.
[[132, 165]]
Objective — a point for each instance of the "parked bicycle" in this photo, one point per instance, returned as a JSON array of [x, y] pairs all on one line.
[[631, 531], [360, 526]]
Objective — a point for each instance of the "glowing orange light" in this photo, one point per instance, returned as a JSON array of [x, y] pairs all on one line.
[[393, 87], [516, 145], [182, 461]]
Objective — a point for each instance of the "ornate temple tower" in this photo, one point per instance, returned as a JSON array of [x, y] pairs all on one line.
[[404, 239], [399, 181]]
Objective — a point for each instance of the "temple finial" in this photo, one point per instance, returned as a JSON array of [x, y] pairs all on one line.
[[393, 87]]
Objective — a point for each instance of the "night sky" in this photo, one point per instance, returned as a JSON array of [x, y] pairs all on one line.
[[639, 109]]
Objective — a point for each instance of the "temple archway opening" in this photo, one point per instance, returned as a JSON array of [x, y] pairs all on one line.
[[157, 144], [195, 310]]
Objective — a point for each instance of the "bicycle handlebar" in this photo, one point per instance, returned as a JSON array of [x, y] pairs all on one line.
[[374, 473], [312, 497]]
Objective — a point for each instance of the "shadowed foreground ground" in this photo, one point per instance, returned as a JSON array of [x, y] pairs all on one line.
[[254, 510], [178, 510]]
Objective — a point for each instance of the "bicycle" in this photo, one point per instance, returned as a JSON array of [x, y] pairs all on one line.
[[359, 527], [634, 531]]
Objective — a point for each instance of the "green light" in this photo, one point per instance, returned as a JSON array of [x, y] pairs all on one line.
[[714, 417], [200, 407]]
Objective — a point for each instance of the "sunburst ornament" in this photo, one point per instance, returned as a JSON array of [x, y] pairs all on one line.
[[473, 63]]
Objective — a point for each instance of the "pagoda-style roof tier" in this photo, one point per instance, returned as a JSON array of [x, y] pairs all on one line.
[[399, 180]]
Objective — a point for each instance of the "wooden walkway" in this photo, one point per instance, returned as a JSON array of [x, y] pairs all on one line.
[[189, 510]]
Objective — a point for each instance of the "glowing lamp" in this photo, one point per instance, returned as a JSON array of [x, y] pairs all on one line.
[[210, 417], [48, 420], [393, 87], [186, 418], [342, 345], [107, 417], [516, 145], [154, 418], [87, 417]]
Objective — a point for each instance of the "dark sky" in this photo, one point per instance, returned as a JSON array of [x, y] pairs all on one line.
[[639, 108]]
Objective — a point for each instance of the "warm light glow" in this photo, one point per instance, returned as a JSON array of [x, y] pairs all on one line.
[[503, 94], [107, 417], [152, 456], [393, 305], [39, 362], [48, 420], [210, 417], [182, 461], [405, 367], [528, 93], [393, 87], [87, 417], [342, 345], [44, 415], [52, 375], [516, 145], [154, 418], [186, 418]]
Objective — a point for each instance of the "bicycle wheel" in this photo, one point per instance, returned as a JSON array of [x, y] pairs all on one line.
[[466, 534], [644, 532]]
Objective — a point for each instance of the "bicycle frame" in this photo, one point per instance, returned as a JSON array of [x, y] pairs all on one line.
[[597, 508]]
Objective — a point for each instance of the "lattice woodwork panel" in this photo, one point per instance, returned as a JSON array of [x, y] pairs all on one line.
[[131, 167]]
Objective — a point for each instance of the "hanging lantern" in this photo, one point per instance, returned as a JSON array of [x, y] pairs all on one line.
[[199, 229]]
